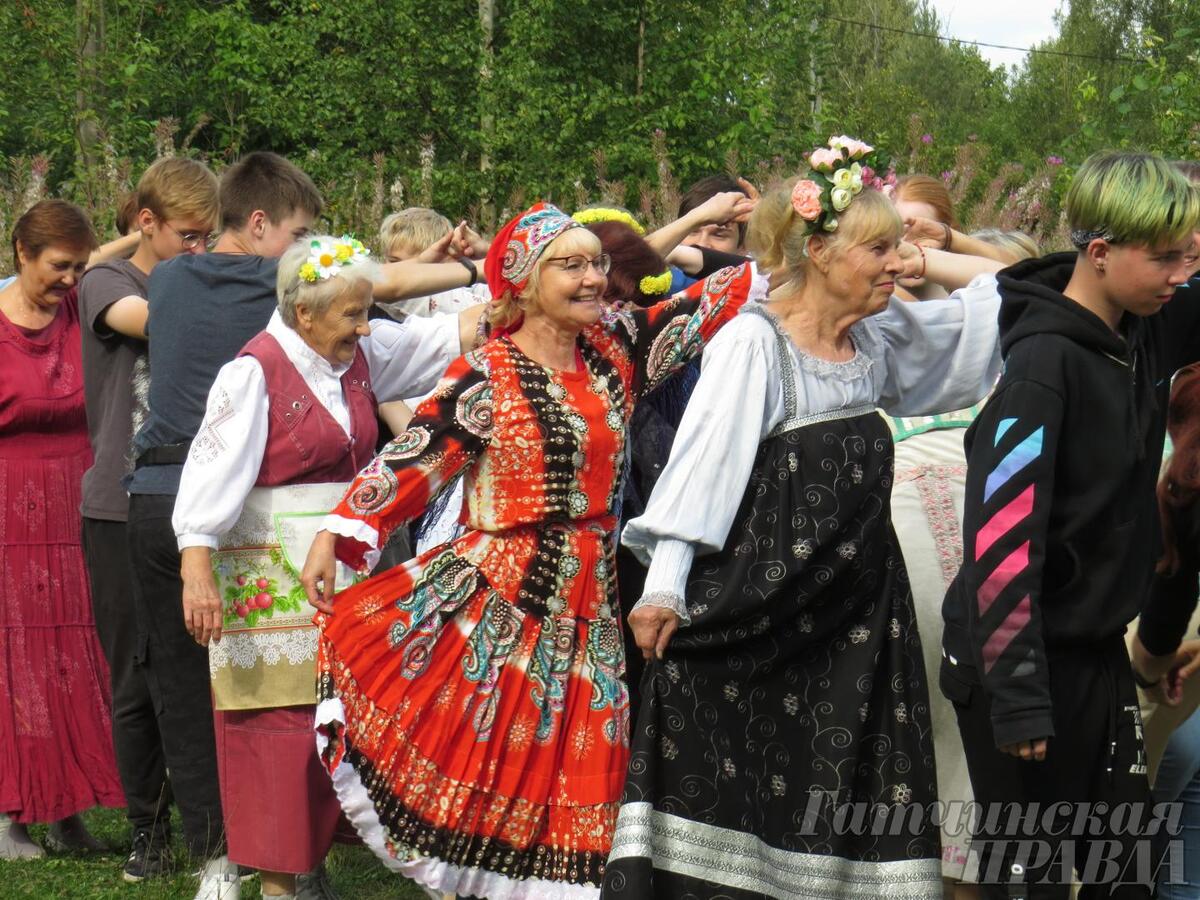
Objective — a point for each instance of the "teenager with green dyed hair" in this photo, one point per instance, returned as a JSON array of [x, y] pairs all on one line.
[[1060, 530]]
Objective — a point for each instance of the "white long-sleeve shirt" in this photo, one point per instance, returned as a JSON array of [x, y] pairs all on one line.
[[910, 359], [404, 359]]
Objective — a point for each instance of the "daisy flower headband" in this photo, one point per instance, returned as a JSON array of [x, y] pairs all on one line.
[[327, 255]]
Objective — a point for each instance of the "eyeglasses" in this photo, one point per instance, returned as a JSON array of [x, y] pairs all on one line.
[[190, 239], [577, 266]]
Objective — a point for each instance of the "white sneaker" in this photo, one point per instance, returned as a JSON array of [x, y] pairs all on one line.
[[219, 881], [15, 842]]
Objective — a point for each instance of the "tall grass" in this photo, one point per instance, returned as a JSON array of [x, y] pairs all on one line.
[[988, 192]]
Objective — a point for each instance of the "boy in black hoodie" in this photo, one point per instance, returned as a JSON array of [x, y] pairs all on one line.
[[1060, 535]]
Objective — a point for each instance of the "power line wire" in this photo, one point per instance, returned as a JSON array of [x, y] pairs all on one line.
[[942, 37]]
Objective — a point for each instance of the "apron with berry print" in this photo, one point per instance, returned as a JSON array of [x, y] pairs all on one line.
[[267, 654]]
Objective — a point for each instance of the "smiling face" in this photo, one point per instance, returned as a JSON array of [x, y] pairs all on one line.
[[1140, 279], [46, 278], [859, 263], [570, 283], [334, 332]]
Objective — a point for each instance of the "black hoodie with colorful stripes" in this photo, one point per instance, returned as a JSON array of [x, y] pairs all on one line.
[[1060, 525]]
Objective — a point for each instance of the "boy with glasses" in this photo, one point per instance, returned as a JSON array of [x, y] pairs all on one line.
[[175, 208]]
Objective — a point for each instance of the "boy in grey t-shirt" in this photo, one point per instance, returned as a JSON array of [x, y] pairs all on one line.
[[177, 209]]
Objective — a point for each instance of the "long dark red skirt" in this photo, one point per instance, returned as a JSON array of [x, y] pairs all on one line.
[[56, 750], [281, 813]]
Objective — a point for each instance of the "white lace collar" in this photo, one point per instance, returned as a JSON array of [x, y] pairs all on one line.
[[856, 367], [299, 352]]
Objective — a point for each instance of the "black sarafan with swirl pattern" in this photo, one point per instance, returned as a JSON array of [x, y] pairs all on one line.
[[784, 740]]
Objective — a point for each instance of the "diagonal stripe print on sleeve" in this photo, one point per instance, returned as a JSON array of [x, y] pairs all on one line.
[[1017, 459], [1004, 521], [1004, 634], [1002, 429], [1002, 576]]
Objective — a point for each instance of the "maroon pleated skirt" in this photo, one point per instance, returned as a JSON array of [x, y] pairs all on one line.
[[56, 750]]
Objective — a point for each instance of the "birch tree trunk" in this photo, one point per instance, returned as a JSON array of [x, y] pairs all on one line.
[[89, 40], [487, 119], [641, 50]]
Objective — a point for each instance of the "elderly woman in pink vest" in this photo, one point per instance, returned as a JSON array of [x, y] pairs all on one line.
[[288, 424]]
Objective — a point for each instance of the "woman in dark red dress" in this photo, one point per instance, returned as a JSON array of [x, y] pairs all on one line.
[[56, 755]]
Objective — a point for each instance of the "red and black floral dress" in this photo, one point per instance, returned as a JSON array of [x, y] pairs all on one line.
[[473, 711]]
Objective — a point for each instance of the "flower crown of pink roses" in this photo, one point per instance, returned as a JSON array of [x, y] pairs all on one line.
[[839, 173]]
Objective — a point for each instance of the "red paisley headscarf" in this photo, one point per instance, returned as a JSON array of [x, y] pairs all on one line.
[[517, 246]]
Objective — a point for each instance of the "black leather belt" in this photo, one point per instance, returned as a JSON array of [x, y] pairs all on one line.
[[169, 455]]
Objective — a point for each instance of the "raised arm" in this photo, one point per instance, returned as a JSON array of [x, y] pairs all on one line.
[[729, 206], [668, 335], [119, 248], [407, 359], [941, 355], [700, 262], [951, 270], [933, 234]]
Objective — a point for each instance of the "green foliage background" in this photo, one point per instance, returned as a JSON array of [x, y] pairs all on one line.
[[393, 102]]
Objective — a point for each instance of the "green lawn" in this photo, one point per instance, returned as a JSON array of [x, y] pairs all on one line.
[[354, 871]]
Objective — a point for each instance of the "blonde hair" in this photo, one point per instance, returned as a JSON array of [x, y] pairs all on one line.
[[506, 309], [178, 188], [412, 230], [1017, 244], [778, 237], [293, 291]]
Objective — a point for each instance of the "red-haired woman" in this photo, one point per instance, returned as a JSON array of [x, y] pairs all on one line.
[[56, 755]]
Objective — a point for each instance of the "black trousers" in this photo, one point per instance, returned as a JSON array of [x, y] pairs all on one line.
[[176, 670], [1086, 807], [136, 740]]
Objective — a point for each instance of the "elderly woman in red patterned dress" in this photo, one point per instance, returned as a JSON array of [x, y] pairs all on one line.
[[473, 710], [288, 424]]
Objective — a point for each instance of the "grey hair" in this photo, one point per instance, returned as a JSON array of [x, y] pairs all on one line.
[[292, 291]]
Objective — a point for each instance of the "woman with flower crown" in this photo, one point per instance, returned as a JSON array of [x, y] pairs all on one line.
[[473, 710], [288, 424], [782, 747]]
